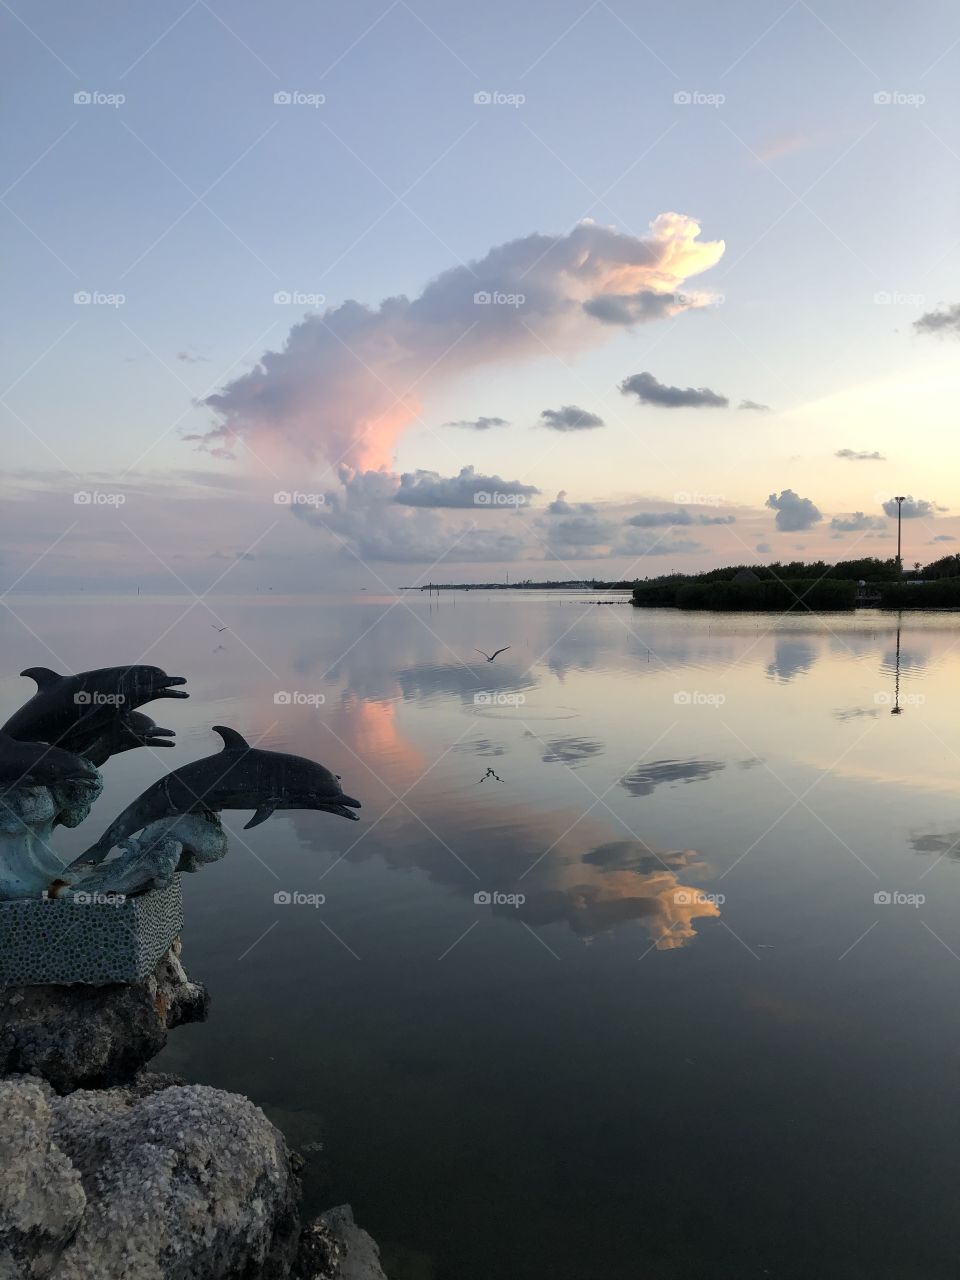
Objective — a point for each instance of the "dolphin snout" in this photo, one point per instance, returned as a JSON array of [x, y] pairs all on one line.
[[339, 807]]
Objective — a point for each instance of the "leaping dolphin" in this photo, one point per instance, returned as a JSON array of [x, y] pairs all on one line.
[[24, 764], [238, 777], [73, 712]]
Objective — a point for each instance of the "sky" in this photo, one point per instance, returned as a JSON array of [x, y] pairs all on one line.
[[304, 297]]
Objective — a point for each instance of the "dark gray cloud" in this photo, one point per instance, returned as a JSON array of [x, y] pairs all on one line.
[[793, 512], [943, 537], [946, 844], [646, 542], [857, 522], [582, 531], [570, 418], [633, 308], [860, 455], [571, 751], [648, 776], [468, 489], [946, 320], [753, 406], [561, 507], [672, 519], [479, 424], [649, 391], [913, 508], [370, 526]]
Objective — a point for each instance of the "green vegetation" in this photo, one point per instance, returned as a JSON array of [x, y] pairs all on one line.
[[798, 586], [938, 593], [801, 594]]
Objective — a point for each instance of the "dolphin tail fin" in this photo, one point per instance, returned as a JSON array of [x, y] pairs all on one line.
[[43, 676], [230, 737]]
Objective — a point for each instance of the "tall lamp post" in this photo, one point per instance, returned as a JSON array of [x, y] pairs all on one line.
[[899, 500]]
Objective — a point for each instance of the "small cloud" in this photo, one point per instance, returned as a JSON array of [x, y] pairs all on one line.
[[913, 508], [946, 320], [187, 358], [634, 308], [649, 391], [943, 537], [670, 519], [479, 424], [857, 523], [764, 548], [860, 455], [570, 418], [793, 512], [561, 507], [429, 489], [754, 406]]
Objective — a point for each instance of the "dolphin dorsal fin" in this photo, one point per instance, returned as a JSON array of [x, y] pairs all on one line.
[[43, 676], [231, 738]]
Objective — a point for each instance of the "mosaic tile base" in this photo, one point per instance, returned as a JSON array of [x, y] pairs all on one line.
[[93, 942]]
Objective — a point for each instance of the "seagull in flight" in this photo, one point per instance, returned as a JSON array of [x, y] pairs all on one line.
[[216, 628], [490, 656]]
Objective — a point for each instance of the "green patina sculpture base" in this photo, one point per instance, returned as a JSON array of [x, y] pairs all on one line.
[[107, 939]]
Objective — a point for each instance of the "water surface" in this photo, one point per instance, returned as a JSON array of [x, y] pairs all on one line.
[[678, 1033]]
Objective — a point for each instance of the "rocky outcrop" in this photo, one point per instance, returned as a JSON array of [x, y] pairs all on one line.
[[78, 1037], [146, 1183], [158, 1181], [335, 1248], [109, 1173]]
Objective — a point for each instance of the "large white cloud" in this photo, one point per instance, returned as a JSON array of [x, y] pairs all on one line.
[[349, 381]]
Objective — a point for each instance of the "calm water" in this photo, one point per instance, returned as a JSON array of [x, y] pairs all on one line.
[[699, 1047]]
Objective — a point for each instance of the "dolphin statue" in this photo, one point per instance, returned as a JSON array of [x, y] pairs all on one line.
[[125, 733], [26, 764], [73, 712], [237, 777]]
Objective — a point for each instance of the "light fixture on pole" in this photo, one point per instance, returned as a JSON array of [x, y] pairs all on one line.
[[899, 501]]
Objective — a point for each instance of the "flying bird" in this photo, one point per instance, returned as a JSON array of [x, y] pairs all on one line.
[[216, 628], [490, 656]]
